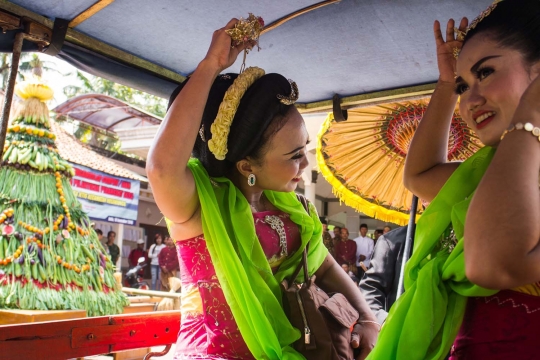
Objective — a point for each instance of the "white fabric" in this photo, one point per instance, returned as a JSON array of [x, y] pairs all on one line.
[[153, 253], [364, 246]]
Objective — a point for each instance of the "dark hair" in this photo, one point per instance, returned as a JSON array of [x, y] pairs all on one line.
[[337, 227], [259, 116], [344, 263], [111, 232], [379, 231], [363, 226], [513, 24], [99, 232]]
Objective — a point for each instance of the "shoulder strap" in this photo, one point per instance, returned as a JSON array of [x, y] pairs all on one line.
[[303, 263]]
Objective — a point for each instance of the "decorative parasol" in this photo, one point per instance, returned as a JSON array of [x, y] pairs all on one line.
[[363, 158]]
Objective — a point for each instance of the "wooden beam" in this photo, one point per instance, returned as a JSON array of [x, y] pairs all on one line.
[[161, 294], [291, 16], [92, 44], [67, 339], [362, 100], [91, 11]]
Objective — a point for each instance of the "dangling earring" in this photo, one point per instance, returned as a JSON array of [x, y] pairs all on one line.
[[251, 179]]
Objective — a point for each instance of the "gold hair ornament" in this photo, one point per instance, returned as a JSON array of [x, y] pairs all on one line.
[[244, 31], [460, 35], [291, 99], [227, 109]]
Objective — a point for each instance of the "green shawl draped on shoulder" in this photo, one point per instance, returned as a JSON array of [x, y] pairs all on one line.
[[252, 291], [425, 320]]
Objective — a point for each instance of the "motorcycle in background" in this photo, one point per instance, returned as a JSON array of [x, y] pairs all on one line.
[[133, 279]]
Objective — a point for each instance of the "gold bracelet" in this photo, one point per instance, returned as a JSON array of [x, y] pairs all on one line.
[[534, 130], [370, 322]]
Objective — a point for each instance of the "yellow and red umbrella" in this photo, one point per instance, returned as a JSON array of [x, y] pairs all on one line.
[[363, 158]]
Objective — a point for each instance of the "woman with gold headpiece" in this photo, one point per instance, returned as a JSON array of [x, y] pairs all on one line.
[[239, 227], [473, 278]]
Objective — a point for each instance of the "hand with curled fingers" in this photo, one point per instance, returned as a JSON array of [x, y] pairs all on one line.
[[529, 105], [364, 336], [221, 52], [449, 48]]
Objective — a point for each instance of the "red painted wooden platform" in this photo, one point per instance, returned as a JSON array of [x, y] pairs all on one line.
[[75, 338]]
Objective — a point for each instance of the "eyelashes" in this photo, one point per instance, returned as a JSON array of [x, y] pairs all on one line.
[[480, 74]]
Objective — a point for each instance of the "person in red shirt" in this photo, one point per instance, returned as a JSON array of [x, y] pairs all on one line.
[[345, 249], [137, 253], [168, 261]]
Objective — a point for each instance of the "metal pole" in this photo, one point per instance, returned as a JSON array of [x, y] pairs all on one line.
[[407, 249], [17, 49]]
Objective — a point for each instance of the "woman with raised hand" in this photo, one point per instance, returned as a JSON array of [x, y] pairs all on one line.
[[473, 278], [239, 227]]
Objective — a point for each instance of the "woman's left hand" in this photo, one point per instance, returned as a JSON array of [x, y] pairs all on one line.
[[364, 336]]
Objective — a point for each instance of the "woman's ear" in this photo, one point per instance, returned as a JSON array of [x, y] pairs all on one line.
[[535, 70], [244, 167]]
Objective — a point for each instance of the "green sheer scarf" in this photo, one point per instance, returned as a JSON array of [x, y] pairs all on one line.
[[251, 289], [425, 320]]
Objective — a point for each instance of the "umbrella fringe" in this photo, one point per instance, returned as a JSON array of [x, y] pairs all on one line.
[[347, 197]]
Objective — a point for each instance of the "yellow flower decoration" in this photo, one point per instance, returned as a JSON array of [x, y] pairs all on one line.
[[227, 109]]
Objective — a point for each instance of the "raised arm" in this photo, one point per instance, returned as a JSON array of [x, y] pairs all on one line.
[[426, 167], [502, 229], [172, 183]]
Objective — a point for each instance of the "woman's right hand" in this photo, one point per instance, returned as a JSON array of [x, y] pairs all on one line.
[[445, 49], [221, 52]]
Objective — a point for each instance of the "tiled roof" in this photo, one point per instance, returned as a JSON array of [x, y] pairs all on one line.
[[76, 152]]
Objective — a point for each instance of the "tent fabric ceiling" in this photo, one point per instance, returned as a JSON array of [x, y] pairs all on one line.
[[352, 47]]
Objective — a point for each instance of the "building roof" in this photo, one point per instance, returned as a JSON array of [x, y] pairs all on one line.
[[105, 112], [76, 152]]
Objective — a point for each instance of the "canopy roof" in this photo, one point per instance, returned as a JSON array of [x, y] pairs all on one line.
[[382, 48], [105, 112]]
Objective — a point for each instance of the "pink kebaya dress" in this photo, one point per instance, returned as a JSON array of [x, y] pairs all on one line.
[[208, 329]]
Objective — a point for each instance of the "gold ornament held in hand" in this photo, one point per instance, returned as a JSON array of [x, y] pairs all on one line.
[[247, 30]]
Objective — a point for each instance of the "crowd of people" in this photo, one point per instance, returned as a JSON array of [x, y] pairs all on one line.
[[354, 255], [231, 151]]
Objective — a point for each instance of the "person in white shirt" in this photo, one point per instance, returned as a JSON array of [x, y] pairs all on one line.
[[153, 254], [364, 250]]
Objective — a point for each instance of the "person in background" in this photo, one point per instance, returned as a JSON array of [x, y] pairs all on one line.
[[336, 233], [387, 229], [137, 253], [347, 269], [168, 262], [345, 249], [99, 235], [364, 250], [376, 236], [380, 282], [327, 240], [112, 248], [153, 254]]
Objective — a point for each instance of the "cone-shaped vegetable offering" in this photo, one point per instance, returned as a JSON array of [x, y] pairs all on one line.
[[50, 258]]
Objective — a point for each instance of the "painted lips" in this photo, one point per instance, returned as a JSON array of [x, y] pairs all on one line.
[[484, 119]]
